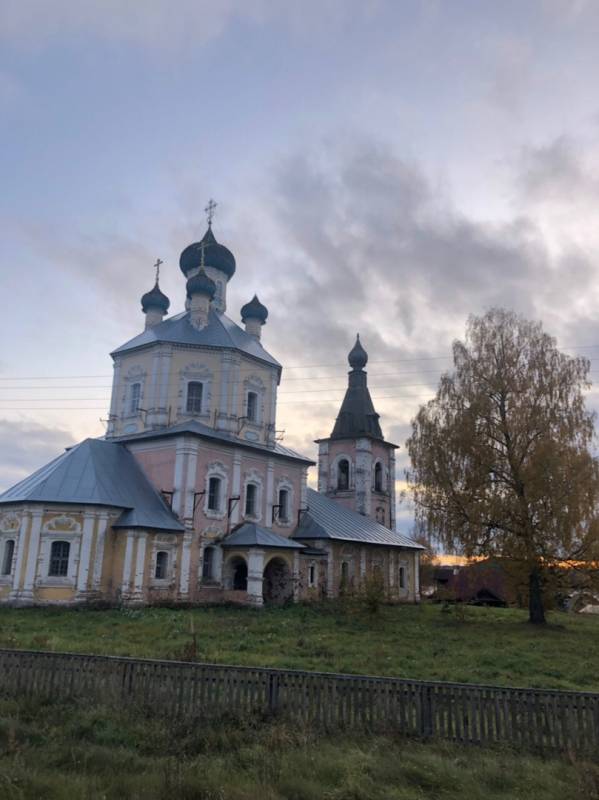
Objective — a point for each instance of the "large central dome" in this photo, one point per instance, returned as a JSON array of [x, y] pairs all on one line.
[[215, 255]]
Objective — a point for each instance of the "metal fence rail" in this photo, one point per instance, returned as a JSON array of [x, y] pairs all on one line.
[[532, 719]]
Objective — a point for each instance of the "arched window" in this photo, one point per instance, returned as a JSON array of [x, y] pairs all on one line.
[[378, 477], [161, 571], [252, 407], [9, 551], [343, 475], [208, 563], [283, 505], [214, 492], [251, 499], [195, 390], [134, 398], [59, 559]]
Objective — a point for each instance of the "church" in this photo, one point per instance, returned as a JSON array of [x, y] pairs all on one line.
[[189, 497]]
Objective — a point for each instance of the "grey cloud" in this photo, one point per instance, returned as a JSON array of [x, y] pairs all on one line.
[[27, 446]]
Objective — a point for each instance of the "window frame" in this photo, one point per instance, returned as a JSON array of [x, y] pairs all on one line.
[[311, 574], [208, 562], [134, 403], [58, 565], [215, 495], [253, 417], [161, 564], [346, 474], [7, 562], [194, 410], [283, 515], [378, 485], [253, 514]]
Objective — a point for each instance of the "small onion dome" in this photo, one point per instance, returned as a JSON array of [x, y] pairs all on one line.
[[215, 255], [155, 299], [254, 310], [358, 357], [201, 284]]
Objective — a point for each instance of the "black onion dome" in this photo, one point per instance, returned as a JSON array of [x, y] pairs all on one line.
[[215, 255], [254, 310], [155, 299], [358, 357], [201, 284]]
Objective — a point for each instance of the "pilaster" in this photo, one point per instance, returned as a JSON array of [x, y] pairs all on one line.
[[323, 467], [87, 533], [112, 414], [255, 576]]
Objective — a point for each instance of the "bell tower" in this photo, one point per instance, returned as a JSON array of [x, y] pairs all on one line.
[[356, 466]]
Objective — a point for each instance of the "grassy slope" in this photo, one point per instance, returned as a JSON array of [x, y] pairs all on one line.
[[490, 646], [68, 753]]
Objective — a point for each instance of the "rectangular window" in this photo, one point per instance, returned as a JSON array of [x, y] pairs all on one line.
[[214, 494], [312, 575], [283, 505], [207, 563], [250, 500], [9, 551], [195, 390], [252, 407], [160, 572], [402, 577], [59, 559], [134, 398]]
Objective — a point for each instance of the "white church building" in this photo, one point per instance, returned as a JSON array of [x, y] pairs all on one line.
[[189, 497]]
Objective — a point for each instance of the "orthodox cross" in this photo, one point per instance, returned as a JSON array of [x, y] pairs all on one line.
[[210, 208], [157, 267]]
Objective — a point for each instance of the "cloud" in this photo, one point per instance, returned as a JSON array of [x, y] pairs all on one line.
[[27, 446], [373, 246]]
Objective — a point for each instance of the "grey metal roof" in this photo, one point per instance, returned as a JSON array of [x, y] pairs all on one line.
[[97, 472], [199, 429], [220, 332], [328, 519], [251, 535]]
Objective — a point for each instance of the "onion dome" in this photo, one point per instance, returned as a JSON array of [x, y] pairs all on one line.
[[358, 357], [155, 299], [254, 310], [214, 255], [201, 284]]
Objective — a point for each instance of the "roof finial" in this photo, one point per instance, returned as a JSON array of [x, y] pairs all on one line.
[[157, 265], [210, 208]]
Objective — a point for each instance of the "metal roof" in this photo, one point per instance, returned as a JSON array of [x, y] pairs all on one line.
[[251, 535], [328, 519], [199, 429], [220, 332], [97, 472]]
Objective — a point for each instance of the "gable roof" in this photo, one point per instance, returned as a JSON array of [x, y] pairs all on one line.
[[199, 429], [251, 535], [328, 519], [220, 332], [97, 472]]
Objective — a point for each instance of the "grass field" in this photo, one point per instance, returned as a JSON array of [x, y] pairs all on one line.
[[488, 646], [64, 752]]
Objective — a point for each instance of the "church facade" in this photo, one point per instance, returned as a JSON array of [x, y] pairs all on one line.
[[190, 497]]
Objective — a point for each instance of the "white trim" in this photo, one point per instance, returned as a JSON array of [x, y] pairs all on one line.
[[127, 564]]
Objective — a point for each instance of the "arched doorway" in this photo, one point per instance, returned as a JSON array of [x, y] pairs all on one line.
[[237, 574], [277, 586]]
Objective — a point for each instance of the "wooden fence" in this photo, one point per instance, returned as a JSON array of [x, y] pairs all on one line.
[[532, 719]]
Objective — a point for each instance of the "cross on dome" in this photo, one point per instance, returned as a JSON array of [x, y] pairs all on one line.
[[210, 209], [157, 266]]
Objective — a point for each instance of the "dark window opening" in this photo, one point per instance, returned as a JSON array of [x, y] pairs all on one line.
[[214, 494], [312, 575], [343, 475], [135, 398], [208, 563], [251, 492], [252, 406], [9, 550], [283, 505], [378, 477], [195, 390], [160, 572], [59, 559], [402, 577]]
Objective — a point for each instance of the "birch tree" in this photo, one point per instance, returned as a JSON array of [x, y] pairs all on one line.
[[500, 458]]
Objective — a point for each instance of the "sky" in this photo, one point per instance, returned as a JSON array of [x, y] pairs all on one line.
[[381, 167]]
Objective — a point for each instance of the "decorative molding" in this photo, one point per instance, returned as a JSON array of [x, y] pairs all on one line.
[[62, 524], [10, 522]]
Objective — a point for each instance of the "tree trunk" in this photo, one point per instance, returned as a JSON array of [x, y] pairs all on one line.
[[536, 610]]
